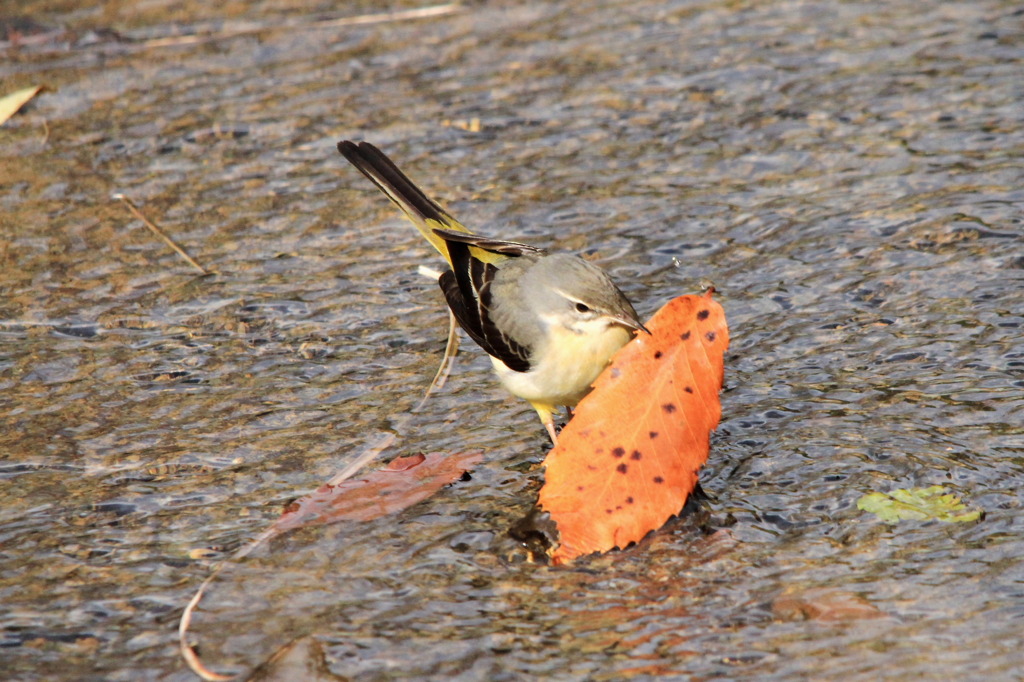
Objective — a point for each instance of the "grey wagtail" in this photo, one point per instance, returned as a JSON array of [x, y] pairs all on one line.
[[549, 321]]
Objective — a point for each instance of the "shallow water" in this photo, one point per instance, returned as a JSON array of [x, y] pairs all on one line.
[[848, 175]]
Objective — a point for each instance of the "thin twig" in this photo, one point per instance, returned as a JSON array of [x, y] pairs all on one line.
[[381, 17], [451, 349], [362, 460], [368, 455], [187, 652], [160, 233], [361, 20]]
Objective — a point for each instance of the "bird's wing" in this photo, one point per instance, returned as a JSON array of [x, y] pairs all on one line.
[[495, 246], [467, 288]]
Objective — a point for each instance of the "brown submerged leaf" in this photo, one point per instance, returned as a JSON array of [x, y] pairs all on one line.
[[401, 484], [824, 604]]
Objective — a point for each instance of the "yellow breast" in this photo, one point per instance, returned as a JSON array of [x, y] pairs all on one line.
[[566, 364]]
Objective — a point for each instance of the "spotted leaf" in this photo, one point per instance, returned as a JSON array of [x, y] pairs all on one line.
[[629, 458]]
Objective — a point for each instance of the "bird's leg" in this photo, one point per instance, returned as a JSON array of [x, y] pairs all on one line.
[[550, 426], [546, 412]]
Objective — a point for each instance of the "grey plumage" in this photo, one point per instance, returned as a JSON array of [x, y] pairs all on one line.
[[502, 308]]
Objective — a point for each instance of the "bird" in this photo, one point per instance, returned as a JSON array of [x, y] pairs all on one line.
[[550, 322]]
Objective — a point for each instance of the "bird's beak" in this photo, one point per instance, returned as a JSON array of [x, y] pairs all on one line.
[[632, 323]]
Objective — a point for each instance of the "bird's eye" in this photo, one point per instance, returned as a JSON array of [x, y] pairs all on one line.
[[582, 308]]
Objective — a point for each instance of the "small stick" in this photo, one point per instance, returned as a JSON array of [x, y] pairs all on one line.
[[386, 441], [187, 652], [451, 349], [160, 233], [401, 15], [362, 19]]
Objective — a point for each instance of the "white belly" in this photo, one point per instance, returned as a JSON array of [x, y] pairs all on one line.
[[563, 371]]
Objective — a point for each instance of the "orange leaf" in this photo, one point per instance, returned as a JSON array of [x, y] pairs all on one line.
[[628, 459], [402, 483], [823, 604]]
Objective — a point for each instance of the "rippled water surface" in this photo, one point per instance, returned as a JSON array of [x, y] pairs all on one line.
[[848, 174]]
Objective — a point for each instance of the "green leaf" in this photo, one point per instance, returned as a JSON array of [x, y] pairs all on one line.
[[918, 504]]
